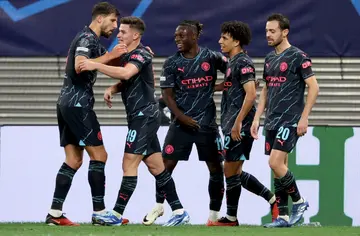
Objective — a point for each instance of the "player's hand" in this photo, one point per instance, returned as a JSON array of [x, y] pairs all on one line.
[[236, 131], [257, 83], [302, 126], [219, 87], [119, 50], [87, 65], [254, 129], [188, 121], [151, 51], [108, 95]]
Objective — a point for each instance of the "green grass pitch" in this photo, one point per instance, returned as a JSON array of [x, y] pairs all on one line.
[[39, 229]]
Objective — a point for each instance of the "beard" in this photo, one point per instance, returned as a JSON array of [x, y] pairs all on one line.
[[105, 34], [277, 42]]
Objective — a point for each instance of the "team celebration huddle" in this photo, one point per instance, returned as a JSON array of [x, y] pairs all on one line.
[[188, 82]]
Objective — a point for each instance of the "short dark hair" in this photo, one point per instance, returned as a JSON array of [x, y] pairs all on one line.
[[284, 22], [238, 31], [104, 8], [195, 25], [134, 22]]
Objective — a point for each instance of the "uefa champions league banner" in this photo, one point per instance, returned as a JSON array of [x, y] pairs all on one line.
[[325, 162], [47, 27]]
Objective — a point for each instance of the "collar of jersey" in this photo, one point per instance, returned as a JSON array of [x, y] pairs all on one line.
[[91, 31], [199, 53], [283, 51]]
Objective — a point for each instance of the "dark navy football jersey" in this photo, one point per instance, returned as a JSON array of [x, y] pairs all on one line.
[[138, 93], [77, 90], [285, 76], [193, 81], [240, 70]]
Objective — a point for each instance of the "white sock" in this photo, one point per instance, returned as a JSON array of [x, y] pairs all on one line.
[[100, 212], [300, 201], [231, 218], [118, 215], [178, 212], [285, 217], [159, 205], [273, 199], [55, 213], [213, 216]]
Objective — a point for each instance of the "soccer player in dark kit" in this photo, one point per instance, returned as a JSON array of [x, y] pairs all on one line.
[[142, 144], [287, 70], [237, 113], [188, 82], [78, 125]]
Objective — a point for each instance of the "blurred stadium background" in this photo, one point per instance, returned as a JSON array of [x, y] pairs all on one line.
[[35, 36], [34, 44]]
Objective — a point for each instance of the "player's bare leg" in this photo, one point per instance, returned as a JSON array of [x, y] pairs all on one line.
[[285, 184], [216, 189], [165, 187], [73, 161]]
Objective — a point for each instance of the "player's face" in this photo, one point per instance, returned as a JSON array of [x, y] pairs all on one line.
[[109, 24], [274, 35], [227, 43], [127, 34], [184, 38]]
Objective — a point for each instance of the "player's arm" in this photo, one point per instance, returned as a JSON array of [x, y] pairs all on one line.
[[259, 111], [308, 75], [167, 84], [109, 58], [313, 91], [262, 104], [249, 100], [220, 61], [169, 99], [137, 60], [78, 60], [116, 88], [106, 56], [262, 100], [221, 64], [84, 51], [110, 91], [313, 88], [260, 108], [115, 72], [104, 59], [246, 77], [219, 87]]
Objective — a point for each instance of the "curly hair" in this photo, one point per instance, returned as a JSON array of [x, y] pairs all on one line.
[[238, 31]]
